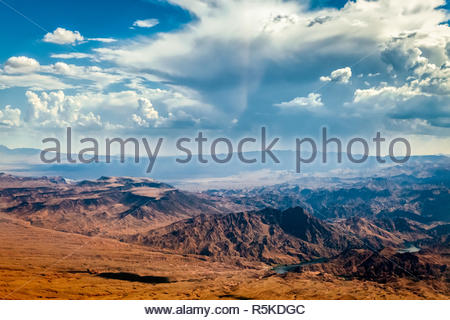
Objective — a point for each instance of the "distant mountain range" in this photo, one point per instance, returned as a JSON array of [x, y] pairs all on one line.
[[107, 206], [422, 199], [232, 175]]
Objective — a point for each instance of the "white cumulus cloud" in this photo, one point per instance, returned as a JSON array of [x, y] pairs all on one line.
[[342, 75], [313, 100], [146, 113], [63, 36], [55, 109], [10, 117], [21, 65]]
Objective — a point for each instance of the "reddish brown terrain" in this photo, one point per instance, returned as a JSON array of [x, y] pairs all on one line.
[[106, 206], [136, 238]]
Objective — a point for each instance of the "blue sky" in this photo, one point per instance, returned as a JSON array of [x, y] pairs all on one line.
[[172, 68], [107, 18]]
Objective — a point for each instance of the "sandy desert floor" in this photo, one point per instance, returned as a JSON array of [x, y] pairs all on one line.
[[37, 263]]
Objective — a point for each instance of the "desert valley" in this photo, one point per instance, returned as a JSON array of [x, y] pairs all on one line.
[[384, 237]]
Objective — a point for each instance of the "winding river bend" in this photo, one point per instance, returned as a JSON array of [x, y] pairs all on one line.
[[282, 269]]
